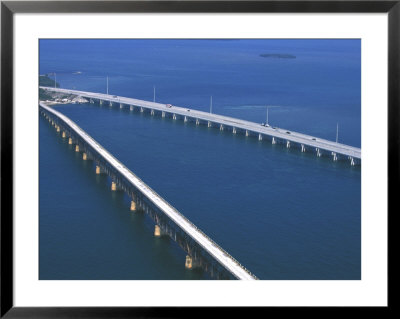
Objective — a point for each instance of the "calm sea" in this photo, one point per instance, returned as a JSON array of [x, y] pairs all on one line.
[[281, 213]]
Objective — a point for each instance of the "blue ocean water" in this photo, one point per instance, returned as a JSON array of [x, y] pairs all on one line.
[[282, 214]]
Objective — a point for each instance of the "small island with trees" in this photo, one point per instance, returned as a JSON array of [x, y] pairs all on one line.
[[45, 80], [56, 97]]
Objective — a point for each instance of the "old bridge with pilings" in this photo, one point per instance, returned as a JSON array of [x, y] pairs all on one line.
[[201, 250], [289, 139]]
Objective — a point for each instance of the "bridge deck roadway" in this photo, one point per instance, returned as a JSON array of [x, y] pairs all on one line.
[[294, 137], [211, 247]]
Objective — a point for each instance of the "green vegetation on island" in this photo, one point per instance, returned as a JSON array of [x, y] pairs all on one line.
[[45, 80], [56, 97], [278, 55]]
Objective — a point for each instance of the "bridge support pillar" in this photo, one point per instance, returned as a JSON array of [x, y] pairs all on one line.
[[70, 141], [221, 127], [111, 104], [121, 106], [141, 110], [273, 140], [259, 137], [234, 130], [190, 263], [288, 144], [303, 149], [174, 117], [209, 124], [152, 112], [157, 231], [318, 152], [64, 135], [58, 128], [98, 170], [101, 102], [84, 156], [76, 148], [114, 186], [131, 108], [352, 162], [247, 133], [162, 114], [197, 122], [185, 119], [334, 156], [133, 206]]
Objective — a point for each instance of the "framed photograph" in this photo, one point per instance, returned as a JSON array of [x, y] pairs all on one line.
[[165, 157]]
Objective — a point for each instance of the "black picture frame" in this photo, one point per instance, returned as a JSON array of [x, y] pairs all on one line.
[[9, 8]]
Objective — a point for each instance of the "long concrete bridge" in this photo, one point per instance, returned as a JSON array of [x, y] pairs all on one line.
[[302, 142], [201, 250]]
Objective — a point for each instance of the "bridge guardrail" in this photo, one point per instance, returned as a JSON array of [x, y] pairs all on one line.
[[93, 141]]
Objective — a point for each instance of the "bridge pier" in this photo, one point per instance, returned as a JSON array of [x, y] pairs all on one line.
[[121, 106], [133, 206], [114, 186], [234, 130], [98, 170], [209, 124], [352, 162], [84, 156], [221, 127], [63, 134], [197, 122], [77, 148], [70, 141], [141, 110], [303, 149], [287, 144], [273, 140], [111, 103], [152, 112], [334, 156], [247, 133], [157, 231], [188, 262], [318, 152], [259, 137], [162, 114], [101, 102], [174, 117], [131, 108], [58, 128], [185, 119]]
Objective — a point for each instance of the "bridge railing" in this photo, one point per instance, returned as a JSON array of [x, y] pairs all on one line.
[[86, 137], [299, 138]]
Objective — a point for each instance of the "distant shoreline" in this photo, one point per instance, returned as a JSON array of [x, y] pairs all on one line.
[[278, 55]]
